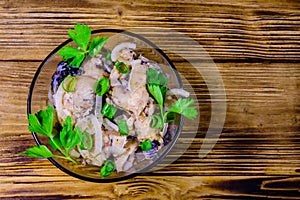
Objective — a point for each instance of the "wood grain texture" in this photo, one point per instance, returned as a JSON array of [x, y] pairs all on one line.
[[256, 47]]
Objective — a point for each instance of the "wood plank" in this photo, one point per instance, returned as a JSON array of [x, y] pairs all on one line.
[[269, 33], [147, 187]]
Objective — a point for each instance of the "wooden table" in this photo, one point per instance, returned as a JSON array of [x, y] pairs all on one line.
[[256, 47]]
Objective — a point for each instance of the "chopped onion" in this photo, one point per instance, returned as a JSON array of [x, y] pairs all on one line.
[[98, 136], [58, 102], [111, 125], [73, 153], [116, 51], [164, 131], [98, 106], [129, 163], [179, 91]]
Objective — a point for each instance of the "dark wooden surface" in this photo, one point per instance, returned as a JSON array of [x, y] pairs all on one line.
[[256, 47]]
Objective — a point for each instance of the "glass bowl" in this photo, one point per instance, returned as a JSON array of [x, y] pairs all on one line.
[[41, 83]]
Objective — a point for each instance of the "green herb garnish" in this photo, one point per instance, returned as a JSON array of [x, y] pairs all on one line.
[[122, 67], [108, 111], [68, 138], [123, 127], [146, 145], [108, 168], [72, 55], [42, 122], [81, 35], [102, 86], [69, 87], [96, 45], [182, 106], [171, 117], [157, 87], [54, 145], [155, 77], [156, 121], [38, 152], [108, 55], [86, 141]]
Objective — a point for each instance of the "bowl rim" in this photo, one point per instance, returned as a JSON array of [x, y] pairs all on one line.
[[142, 171]]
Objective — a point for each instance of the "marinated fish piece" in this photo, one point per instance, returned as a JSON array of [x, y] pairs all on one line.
[[94, 156], [122, 159], [133, 102], [63, 103], [79, 102], [134, 96], [84, 96], [122, 52], [92, 68], [137, 76], [144, 130]]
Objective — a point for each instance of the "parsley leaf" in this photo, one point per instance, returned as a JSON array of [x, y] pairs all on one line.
[[69, 137], [154, 77], [156, 93], [96, 45], [77, 60], [69, 52], [81, 36], [72, 54], [38, 152], [157, 87], [182, 107], [42, 122], [55, 142]]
